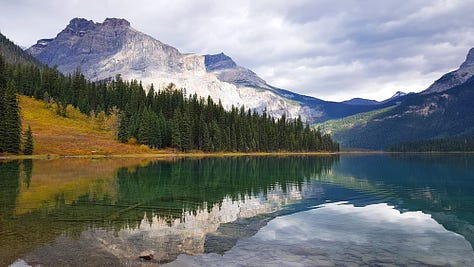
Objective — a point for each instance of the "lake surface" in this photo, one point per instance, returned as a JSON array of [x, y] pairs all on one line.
[[347, 210]]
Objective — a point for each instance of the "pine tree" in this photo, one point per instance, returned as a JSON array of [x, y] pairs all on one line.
[[2, 105], [149, 130], [186, 133], [11, 121], [122, 132], [29, 142], [176, 130]]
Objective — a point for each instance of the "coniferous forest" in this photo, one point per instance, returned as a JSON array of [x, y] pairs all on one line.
[[166, 118]]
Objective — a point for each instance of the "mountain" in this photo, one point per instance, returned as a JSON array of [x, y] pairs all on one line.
[[448, 114], [361, 102], [103, 50], [454, 78], [398, 96], [367, 102]]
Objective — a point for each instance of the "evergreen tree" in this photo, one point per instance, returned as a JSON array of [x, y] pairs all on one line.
[[29, 142], [122, 132], [2, 105], [149, 132], [11, 121], [160, 119], [186, 133], [176, 130]]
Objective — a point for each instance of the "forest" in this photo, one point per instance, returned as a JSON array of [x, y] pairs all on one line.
[[166, 118], [459, 144]]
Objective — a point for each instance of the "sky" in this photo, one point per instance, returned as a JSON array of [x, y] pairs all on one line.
[[330, 49]]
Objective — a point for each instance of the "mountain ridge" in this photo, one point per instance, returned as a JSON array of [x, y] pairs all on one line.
[[426, 116], [12, 53], [454, 78], [103, 50], [363, 101]]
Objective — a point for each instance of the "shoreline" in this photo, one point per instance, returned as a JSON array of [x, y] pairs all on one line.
[[159, 155], [164, 155]]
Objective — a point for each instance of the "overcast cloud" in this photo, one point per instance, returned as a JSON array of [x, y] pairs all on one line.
[[334, 50]]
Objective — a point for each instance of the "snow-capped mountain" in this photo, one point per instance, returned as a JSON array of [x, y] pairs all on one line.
[[103, 50]]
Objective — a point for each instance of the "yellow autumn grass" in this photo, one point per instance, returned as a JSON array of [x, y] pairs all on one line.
[[76, 134], [79, 135], [70, 179]]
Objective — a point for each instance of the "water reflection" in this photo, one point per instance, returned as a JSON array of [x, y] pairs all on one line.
[[62, 199], [340, 234], [162, 237], [438, 184], [109, 212]]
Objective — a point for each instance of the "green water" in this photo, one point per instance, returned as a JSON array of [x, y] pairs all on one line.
[[303, 211]]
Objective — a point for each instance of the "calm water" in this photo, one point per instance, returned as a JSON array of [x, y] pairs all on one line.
[[378, 210]]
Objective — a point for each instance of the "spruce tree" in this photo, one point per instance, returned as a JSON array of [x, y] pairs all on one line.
[[186, 132], [2, 105], [176, 130], [11, 121], [29, 142]]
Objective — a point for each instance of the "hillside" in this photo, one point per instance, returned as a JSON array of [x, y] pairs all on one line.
[[11, 53], [103, 50], [357, 120], [76, 135], [447, 114]]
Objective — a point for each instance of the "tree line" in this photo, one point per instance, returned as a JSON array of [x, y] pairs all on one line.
[[10, 120], [166, 118], [460, 144]]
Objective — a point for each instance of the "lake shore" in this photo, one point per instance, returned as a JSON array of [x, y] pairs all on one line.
[[168, 155]]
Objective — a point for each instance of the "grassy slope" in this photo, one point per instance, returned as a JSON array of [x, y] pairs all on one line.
[[57, 135], [79, 136], [334, 127]]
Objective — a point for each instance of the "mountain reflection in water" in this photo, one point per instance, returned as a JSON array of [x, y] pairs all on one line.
[[175, 195], [307, 210], [340, 234]]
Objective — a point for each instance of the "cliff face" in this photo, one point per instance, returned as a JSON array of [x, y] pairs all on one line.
[[103, 50], [454, 78]]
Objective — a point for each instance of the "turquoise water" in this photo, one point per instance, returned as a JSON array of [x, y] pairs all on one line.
[[348, 210]]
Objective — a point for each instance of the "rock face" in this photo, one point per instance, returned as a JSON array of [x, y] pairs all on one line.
[[103, 50], [454, 78]]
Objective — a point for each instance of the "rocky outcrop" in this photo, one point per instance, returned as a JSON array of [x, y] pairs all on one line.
[[454, 78], [103, 50]]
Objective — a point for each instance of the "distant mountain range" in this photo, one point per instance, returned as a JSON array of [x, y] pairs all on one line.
[[443, 111], [367, 102], [103, 50]]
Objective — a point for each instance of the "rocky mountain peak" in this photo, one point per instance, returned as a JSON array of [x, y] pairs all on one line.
[[454, 78], [469, 59], [398, 94], [115, 22], [103, 50], [219, 62], [79, 25]]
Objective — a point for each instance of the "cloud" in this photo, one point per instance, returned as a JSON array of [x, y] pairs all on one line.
[[333, 50]]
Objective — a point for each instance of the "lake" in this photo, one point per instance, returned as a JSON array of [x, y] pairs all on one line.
[[339, 210]]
